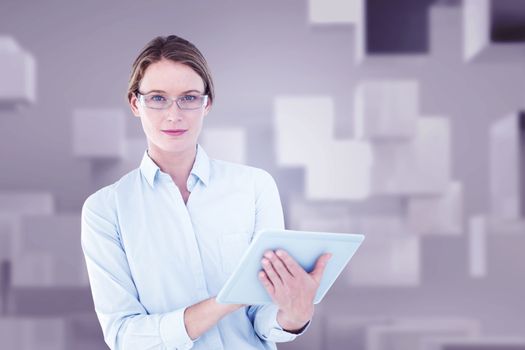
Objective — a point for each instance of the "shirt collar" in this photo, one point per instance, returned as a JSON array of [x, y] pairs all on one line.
[[201, 167]]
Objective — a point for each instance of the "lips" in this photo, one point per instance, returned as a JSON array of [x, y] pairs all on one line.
[[174, 132]]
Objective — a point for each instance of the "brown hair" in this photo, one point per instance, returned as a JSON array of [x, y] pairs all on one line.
[[176, 49]]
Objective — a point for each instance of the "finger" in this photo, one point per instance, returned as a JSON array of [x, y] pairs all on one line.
[[266, 283], [320, 265], [292, 266], [271, 273], [278, 266]]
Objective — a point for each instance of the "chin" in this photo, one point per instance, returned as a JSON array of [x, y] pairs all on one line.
[[177, 146]]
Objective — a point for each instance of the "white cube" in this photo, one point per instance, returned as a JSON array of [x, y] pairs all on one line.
[[303, 126], [313, 216], [419, 166], [386, 110], [99, 133], [390, 255], [507, 162], [134, 148], [227, 144], [336, 11], [440, 214], [343, 172], [478, 25], [18, 72]]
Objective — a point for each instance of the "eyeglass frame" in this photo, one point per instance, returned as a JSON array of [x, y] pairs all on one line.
[[140, 96]]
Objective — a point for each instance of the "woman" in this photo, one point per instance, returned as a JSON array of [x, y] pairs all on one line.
[[160, 242]]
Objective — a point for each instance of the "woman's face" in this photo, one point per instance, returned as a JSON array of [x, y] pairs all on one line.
[[173, 79]]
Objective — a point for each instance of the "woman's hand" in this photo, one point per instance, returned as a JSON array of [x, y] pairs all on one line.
[[291, 287]]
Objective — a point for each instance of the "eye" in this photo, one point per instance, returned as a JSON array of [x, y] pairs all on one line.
[[157, 98], [189, 98]]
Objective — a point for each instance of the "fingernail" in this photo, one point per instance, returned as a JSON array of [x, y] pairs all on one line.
[[264, 261], [280, 253], [268, 254]]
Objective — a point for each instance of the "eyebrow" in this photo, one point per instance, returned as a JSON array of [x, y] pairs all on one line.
[[164, 92]]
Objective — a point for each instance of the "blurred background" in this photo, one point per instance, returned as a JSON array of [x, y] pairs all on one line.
[[403, 120]]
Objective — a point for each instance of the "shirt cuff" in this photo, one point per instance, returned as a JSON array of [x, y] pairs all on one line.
[[173, 331], [269, 329]]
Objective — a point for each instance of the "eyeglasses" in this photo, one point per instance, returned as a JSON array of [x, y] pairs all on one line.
[[157, 100]]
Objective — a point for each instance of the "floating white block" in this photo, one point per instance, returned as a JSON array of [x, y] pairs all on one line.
[[441, 214], [304, 137], [26, 203], [53, 242], [326, 217], [386, 109], [480, 229], [354, 170], [303, 127], [390, 255], [336, 11], [477, 238], [99, 133], [410, 334], [18, 72], [134, 149], [417, 166], [387, 260], [342, 173], [507, 164], [227, 144], [477, 27], [29, 334]]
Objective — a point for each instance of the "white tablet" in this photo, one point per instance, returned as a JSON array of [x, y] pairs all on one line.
[[244, 286]]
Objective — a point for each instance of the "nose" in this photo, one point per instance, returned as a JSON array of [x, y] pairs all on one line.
[[174, 113]]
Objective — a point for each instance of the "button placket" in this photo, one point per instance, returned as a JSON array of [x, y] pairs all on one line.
[[191, 239]]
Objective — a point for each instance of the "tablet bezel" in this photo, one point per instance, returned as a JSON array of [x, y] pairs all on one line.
[[308, 241]]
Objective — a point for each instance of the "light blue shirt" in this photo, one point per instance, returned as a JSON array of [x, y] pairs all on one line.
[[149, 255]]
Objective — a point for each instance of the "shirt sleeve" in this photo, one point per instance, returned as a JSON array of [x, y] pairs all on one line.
[[124, 320], [269, 214]]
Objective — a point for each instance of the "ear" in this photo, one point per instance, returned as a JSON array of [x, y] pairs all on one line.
[[207, 108], [134, 105]]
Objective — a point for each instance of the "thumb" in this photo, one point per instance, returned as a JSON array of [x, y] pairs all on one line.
[[320, 265]]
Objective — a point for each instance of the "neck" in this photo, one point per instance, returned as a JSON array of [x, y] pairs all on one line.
[[176, 164]]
